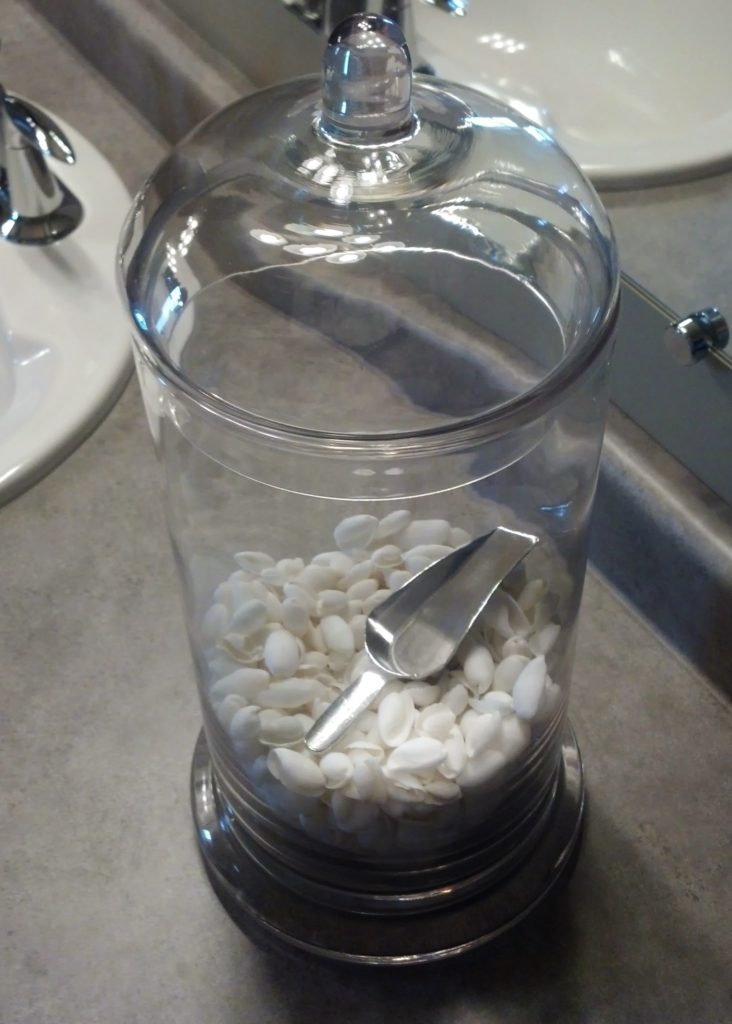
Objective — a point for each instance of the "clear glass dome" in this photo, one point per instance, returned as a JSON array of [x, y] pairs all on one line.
[[455, 270], [373, 320]]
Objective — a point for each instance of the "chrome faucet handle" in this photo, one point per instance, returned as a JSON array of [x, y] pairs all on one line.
[[29, 123], [35, 207], [456, 7]]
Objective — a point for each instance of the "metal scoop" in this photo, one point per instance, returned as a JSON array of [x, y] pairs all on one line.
[[415, 632]]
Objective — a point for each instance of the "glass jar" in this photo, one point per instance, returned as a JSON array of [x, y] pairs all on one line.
[[372, 323]]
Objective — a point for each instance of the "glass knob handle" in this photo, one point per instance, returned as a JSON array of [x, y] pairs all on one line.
[[692, 338], [367, 82]]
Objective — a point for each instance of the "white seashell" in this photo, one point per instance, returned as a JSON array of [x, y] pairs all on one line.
[[360, 571], [422, 555], [236, 643], [515, 736], [393, 523], [250, 590], [215, 622], [244, 725], [222, 594], [424, 531], [482, 732], [319, 707], [395, 717], [287, 730], [274, 608], [337, 560], [290, 567], [281, 653], [405, 784], [220, 664], [329, 682], [466, 719], [543, 641], [249, 617], [508, 671], [237, 647], [456, 698], [532, 594], [361, 590], [479, 668], [369, 782], [481, 768], [368, 721], [528, 690], [417, 563], [444, 790], [355, 532], [254, 561], [418, 755], [294, 617], [317, 578], [269, 716], [338, 661], [543, 613], [503, 614], [228, 708], [312, 663], [245, 682], [358, 628], [552, 699], [436, 721], [516, 645], [397, 578], [302, 595], [337, 769], [423, 694], [331, 602], [375, 600], [314, 639], [456, 756], [497, 700], [364, 749], [387, 557], [273, 577], [337, 635], [296, 772], [458, 537], [290, 693]]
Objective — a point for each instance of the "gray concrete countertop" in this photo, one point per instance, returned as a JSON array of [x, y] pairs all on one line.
[[106, 914]]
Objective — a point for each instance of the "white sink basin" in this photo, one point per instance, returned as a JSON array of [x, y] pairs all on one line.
[[64, 345], [634, 91]]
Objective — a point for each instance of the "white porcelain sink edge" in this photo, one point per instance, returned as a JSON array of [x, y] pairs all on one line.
[[636, 93], [67, 352]]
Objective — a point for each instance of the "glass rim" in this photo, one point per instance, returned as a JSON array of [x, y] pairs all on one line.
[[515, 413]]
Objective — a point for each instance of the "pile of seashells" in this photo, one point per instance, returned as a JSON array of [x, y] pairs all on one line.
[[295, 631]]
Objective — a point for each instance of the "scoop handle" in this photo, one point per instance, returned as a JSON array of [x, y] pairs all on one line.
[[343, 712]]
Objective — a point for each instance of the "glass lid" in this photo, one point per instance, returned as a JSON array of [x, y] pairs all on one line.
[[369, 254]]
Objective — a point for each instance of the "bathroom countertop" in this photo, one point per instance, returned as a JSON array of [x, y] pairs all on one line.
[[106, 913]]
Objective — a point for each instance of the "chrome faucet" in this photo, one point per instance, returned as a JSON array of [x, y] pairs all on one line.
[[399, 11], [35, 207]]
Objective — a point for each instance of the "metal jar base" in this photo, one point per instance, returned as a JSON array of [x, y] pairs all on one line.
[[265, 909]]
